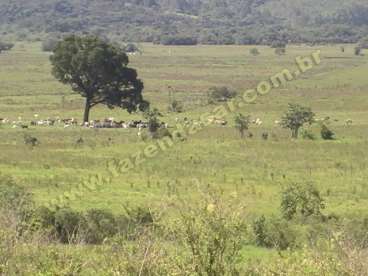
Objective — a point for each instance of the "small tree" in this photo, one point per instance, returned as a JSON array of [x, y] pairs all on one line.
[[304, 200], [326, 133], [31, 141], [296, 117], [98, 71], [154, 123], [358, 51], [242, 123], [254, 52], [221, 94]]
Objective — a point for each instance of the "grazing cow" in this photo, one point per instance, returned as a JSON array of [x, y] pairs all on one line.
[[69, 122], [217, 121], [257, 122], [349, 122], [4, 121]]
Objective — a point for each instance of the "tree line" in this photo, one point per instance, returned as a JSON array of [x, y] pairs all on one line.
[[191, 21]]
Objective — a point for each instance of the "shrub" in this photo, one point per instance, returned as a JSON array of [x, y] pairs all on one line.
[[145, 256], [326, 133], [92, 227], [99, 225], [333, 257], [242, 123], [31, 141], [357, 231], [304, 200], [44, 219], [273, 233], [260, 231], [280, 235], [221, 94], [357, 51], [154, 123], [16, 203], [254, 52], [68, 225], [211, 232]]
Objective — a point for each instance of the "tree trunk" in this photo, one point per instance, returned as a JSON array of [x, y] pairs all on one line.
[[295, 133], [87, 108]]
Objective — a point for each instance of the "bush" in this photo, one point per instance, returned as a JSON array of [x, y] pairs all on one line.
[[358, 51], [211, 233], [273, 233], [357, 231], [31, 141], [326, 133], [304, 200], [254, 52], [154, 123], [221, 94], [68, 225], [92, 227], [16, 202], [99, 225], [260, 231]]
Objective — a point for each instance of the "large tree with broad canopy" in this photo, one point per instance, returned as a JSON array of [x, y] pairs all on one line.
[[98, 71]]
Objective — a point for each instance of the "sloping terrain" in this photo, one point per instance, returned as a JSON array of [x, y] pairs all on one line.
[[210, 22]]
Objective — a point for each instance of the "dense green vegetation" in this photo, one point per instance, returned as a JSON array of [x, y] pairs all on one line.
[[190, 21]]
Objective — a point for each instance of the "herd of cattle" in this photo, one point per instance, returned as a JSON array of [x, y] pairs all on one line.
[[72, 122], [112, 123]]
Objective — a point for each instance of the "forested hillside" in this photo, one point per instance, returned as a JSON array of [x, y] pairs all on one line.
[[204, 21]]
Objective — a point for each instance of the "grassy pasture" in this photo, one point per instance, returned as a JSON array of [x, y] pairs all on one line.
[[253, 170]]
